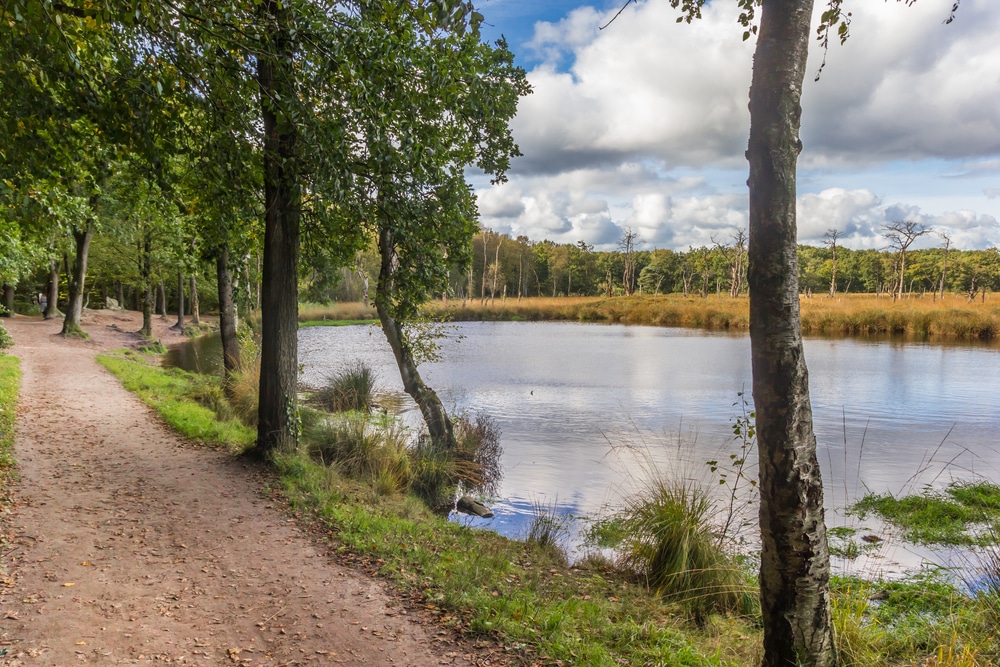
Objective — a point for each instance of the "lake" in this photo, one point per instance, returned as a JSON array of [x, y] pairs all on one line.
[[587, 409]]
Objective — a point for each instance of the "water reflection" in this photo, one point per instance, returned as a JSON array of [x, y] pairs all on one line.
[[576, 402]]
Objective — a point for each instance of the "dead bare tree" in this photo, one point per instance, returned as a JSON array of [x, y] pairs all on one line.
[[944, 261], [830, 239], [627, 246], [736, 259], [901, 235]]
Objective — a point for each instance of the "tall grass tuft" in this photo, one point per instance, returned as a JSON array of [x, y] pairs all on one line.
[[352, 388], [668, 541], [243, 389], [548, 530], [363, 448], [435, 474]]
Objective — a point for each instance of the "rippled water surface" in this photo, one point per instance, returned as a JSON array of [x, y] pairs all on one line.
[[584, 408]]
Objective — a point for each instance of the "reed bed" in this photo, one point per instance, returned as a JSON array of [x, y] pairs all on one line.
[[950, 318]]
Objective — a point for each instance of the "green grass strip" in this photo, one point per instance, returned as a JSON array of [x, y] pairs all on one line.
[[181, 398], [10, 382]]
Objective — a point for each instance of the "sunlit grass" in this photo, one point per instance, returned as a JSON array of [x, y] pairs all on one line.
[[952, 317], [10, 381], [174, 394]]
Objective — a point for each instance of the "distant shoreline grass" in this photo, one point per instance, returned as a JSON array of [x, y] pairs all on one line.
[[950, 318], [925, 317]]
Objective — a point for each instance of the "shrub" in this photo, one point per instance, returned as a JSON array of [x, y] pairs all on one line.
[[353, 388], [6, 340], [435, 475]]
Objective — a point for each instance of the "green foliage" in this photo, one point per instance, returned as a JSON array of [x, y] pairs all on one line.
[[954, 517], [6, 340], [10, 380], [909, 621]]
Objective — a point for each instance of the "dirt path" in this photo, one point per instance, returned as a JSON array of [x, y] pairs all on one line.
[[132, 547]]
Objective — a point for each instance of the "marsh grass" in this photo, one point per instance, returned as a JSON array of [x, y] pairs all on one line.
[[952, 317], [351, 388], [956, 516], [334, 314]]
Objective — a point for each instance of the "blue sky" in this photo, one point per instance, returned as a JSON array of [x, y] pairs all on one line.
[[644, 124]]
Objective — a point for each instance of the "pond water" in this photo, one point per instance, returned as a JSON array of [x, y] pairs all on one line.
[[587, 410]]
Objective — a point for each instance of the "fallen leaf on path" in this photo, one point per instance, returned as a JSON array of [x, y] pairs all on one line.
[[69, 583]]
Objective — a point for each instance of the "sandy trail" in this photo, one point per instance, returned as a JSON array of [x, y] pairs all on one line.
[[130, 546]]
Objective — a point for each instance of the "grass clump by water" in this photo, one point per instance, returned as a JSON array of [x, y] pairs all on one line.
[[955, 517], [668, 539], [193, 404], [352, 388]]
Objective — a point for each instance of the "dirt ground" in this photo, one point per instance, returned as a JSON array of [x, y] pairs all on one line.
[[127, 545]]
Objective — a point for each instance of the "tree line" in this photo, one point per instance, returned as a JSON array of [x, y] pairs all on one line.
[[513, 267]]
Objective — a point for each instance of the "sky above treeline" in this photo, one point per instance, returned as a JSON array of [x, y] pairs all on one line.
[[644, 124]]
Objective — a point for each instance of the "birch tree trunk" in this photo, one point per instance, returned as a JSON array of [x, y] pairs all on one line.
[[795, 567]]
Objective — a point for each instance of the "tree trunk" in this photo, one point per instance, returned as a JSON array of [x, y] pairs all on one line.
[[146, 274], [180, 302], [227, 315], [120, 293], [52, 307], [277, 428], [795, 569], [435, 417], [8, 300], [195, 316], [162, 298], [77, 279]]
